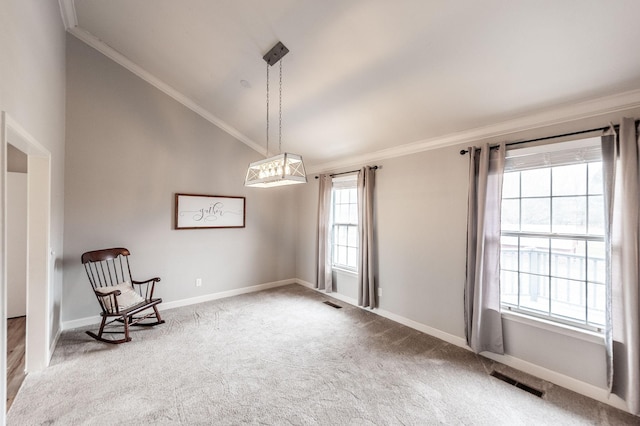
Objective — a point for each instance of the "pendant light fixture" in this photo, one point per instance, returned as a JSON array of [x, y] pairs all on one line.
[[284, 168]]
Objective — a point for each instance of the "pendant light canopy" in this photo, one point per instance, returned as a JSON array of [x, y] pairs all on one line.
[[284, 168]]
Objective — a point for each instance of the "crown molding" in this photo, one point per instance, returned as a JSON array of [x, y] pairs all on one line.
[[71, 23], [561, 115], [68, 11]]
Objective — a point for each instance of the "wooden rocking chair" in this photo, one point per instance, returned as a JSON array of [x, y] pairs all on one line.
[[110, 277]]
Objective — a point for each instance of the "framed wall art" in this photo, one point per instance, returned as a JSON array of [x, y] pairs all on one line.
[[193, 211]]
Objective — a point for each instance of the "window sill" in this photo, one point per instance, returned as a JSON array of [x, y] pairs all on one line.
[[344, 270], [566, 330]]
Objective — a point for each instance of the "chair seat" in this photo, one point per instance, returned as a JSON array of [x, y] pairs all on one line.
[[131, 310]]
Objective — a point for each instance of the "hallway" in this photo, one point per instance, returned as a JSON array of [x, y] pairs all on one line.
[[16, 329]]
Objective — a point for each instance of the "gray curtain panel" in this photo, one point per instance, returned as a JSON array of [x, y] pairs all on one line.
[[366, 266], [483, 321], [609, 155], [324, 279], [622, 187]]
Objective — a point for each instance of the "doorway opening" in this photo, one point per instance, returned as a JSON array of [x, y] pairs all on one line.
[[16, 222], [37, 327]]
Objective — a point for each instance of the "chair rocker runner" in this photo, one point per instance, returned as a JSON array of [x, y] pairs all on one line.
[[122, 299]]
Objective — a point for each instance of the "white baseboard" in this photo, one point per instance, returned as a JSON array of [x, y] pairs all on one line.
[[54, 343], [586, 389], [221, 295], [80, 322], [306, 284], [83, 322], [449, 338]]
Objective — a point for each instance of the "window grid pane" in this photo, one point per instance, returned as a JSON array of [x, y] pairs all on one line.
[[552, 247]]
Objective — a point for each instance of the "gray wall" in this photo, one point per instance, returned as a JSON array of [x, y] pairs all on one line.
[[421, 234], [130, 148], [32, 92], [421, 207], [16, 235], [17, 161]]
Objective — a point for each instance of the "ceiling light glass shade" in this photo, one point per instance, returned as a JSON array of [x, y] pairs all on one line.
[[283, 169]]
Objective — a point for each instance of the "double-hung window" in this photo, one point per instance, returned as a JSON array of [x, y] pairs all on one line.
[[552, 245], [344, 235]]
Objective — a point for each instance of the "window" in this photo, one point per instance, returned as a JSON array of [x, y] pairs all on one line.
[[552, 246], [344, 221]]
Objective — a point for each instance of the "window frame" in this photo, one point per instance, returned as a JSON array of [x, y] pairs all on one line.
[[548, 316], [345, 182]]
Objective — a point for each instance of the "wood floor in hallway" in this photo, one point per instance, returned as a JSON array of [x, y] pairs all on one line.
[[16, 332]]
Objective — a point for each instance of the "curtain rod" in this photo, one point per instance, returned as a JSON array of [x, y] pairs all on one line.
[[464, 151], [350, 171]]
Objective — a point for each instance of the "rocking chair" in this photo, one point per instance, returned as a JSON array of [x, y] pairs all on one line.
[[110, 277]]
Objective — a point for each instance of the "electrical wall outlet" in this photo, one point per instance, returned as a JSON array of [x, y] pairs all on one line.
[[198, 282], [379, 291]]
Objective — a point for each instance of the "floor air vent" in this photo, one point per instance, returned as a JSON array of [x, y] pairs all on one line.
[[333, 305], [517, 384]]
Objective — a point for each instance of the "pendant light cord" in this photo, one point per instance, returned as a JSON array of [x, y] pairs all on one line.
[[280, 113], [267, 154]]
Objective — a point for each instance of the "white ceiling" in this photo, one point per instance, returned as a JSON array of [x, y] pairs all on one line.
[[364, 76]]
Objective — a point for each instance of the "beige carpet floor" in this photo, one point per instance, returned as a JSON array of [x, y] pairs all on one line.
[[282, 357]]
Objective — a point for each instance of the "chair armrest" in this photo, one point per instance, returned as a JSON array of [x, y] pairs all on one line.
[[112, 297], [149, 289], [115, 292], [155, 280]]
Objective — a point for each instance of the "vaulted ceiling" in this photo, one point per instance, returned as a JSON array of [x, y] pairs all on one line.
[[369, 77]]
